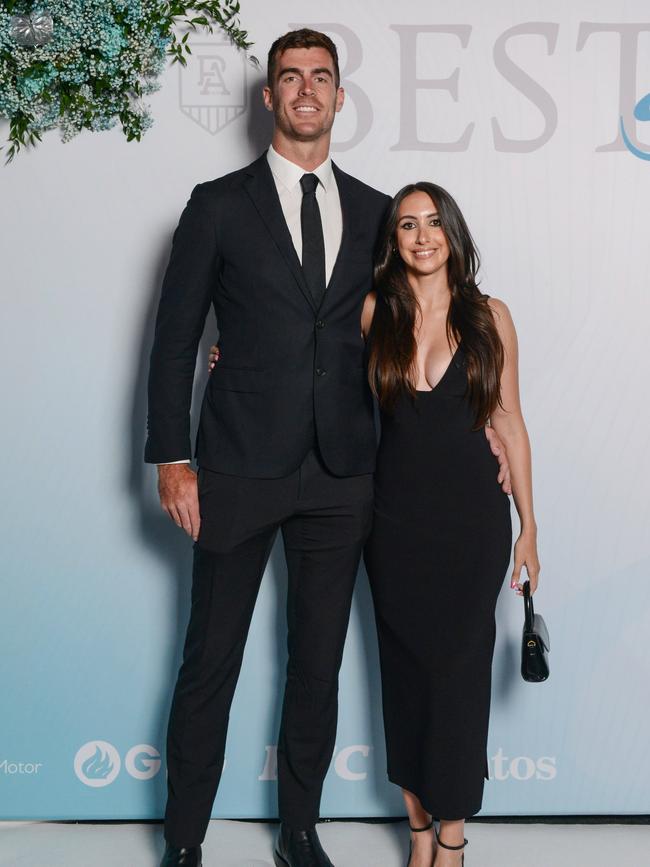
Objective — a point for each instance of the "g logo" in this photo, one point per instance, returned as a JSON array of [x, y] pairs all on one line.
[[97, 763], [142, 762]]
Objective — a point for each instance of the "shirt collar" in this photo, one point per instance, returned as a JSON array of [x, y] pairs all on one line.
[[289, 174]]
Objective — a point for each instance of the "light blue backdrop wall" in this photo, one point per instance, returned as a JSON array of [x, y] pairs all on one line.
[[95, 580]]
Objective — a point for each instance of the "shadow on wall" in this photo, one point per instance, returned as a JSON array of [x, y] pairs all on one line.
[[159, 535], [169, 544], [259, 121]]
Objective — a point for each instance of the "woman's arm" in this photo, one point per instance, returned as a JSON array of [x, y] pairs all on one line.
[[367, 313], [508, 422]]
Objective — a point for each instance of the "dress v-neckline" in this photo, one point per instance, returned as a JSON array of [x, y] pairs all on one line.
[[447, 369]]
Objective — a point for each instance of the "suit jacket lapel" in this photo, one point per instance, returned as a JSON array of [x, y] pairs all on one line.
[[261, 188]]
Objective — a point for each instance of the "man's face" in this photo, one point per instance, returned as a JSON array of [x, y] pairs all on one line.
[[304, 98]]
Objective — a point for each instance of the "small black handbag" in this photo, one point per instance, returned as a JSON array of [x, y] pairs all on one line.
[[535, 643]]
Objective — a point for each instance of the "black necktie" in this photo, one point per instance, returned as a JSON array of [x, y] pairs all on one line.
[[313, 244]]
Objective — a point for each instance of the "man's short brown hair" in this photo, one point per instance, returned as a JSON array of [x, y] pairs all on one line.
[[303, 38]]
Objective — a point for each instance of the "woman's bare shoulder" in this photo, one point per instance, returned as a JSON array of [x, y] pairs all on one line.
[[500, 311], [503, 320], [497, 306]]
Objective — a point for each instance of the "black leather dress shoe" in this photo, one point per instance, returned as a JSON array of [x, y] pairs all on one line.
[[174, 857], [299, 849]]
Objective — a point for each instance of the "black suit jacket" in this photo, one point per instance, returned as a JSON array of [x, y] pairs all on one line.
[[288, 371]]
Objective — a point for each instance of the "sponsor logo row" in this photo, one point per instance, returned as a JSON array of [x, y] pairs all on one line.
[[98, 763]]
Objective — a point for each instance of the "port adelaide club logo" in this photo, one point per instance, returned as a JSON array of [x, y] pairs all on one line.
[[212, 87]]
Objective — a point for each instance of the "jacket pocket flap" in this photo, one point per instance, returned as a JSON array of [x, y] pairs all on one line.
[[236, 378]]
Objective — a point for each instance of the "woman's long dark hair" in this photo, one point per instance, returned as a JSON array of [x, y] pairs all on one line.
[[392, 344]]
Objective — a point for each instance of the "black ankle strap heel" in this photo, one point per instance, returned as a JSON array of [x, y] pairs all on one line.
[[417, 831], [454, 848]]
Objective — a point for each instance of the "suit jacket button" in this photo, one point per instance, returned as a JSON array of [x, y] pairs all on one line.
[[320, 371], [320, 324]]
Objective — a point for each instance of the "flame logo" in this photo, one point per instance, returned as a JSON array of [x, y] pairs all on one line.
[[98, 766], [97, 763]]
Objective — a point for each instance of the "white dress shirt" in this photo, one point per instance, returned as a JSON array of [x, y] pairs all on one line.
[[287, 177]]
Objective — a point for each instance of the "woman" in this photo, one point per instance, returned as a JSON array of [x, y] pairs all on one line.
[[442, 363]]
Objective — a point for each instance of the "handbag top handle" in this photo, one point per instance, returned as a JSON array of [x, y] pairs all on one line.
[[528, 607]]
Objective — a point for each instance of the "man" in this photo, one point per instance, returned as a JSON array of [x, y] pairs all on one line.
[[283, 251]]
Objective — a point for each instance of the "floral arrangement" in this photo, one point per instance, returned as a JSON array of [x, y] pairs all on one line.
[[87, 64]]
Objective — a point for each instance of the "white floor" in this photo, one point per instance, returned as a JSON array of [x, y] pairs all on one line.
[[349, 844]]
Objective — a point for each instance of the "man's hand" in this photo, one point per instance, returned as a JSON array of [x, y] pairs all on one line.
[[179, 496], [499, 451]]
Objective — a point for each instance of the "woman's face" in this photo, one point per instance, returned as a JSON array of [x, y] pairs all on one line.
[[419, 237]]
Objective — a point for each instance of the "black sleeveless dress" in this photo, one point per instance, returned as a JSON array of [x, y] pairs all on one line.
[[436, 559]]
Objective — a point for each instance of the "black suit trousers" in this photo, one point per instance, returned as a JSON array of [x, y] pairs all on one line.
[[324, 521]]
